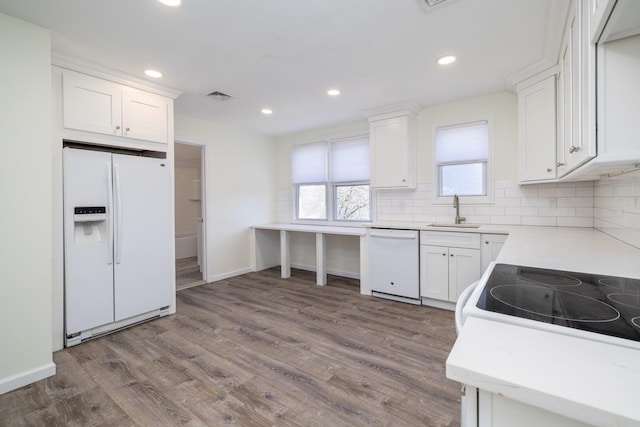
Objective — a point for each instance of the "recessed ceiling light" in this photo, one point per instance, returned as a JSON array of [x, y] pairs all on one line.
[[172, 3], [266, 111], [446, 60], [333, 92], [153, 73]]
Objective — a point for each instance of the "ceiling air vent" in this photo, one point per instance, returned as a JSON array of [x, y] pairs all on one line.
[[429, 5], [219, 96]]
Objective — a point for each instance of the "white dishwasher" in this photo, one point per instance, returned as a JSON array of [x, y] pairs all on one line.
[[394, 270]]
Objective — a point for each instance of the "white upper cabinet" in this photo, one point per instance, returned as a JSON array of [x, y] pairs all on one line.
[[618, 95], [615, 19], [576, 92], [144, 115], [91, 104], [95, 105], [572, 114], [392, 134], [537, 130]]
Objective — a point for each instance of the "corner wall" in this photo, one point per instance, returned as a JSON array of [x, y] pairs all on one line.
[[617, 207], [240, 190], [26, 214]]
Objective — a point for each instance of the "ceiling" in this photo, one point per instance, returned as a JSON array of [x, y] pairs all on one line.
[[285, 54]]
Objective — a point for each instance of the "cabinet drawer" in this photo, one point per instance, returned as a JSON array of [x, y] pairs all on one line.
[[450, 239]]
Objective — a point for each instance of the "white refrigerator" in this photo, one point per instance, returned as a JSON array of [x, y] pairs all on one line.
[[117, 239]]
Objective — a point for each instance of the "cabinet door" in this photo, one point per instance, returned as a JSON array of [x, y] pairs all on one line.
[[464, 269], [537, 131], [566, 106], [392, 153], [619, 90], [577, 139], [91, 104], [145, 115], [491, 246], [434, 272]]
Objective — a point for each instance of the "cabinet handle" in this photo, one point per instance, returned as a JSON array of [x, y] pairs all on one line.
[[127, 129], [573, 149], [117, 127], [404, 180], [549, 170], [451, 255], [560, 164], [486, 242], [392, 283], [444, 254]]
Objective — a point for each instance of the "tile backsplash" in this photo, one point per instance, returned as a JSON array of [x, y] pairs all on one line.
[[556, 204], [561, 204], [616, 209], [612, 205]]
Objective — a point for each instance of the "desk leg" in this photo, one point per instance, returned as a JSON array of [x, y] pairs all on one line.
[[321, 260], [285, 257], [364, 267]]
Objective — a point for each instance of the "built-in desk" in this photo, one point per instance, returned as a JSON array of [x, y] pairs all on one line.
[[271, 247]]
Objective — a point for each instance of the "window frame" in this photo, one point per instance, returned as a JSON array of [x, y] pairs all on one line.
[[488, 198], [296, 205], [331, 188], [335, 186]]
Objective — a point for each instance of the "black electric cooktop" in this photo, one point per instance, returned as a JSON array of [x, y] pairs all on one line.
[[601, 304]]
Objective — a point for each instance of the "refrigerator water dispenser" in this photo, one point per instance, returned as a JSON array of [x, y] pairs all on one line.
[[90, 224]]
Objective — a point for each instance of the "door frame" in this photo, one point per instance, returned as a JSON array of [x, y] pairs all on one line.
[[203, 201]]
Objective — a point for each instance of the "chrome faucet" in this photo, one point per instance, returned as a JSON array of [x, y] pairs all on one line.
[[456, 204]]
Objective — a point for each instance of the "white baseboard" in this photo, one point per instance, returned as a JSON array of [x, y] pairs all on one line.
[[186, 247], [223, 276], [340, 273], [349, 274], [27, 377]]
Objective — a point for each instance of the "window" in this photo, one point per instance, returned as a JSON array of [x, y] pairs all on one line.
[[309, 167], [462, 153], [331, 180]]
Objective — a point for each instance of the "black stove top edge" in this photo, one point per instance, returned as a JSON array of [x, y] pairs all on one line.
[[601, 304]]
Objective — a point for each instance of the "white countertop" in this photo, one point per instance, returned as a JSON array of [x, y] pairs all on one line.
[[305, 228], [584, 250], [594, 382]]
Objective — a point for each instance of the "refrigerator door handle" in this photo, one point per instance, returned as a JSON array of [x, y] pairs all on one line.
[[118, 239], [109, 215]]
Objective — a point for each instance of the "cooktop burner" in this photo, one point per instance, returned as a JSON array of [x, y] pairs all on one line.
[[601, 304]]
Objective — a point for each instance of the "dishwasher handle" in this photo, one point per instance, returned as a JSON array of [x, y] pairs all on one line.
[[394, 234]]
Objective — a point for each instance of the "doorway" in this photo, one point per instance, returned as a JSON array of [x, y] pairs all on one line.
[[189, 209]]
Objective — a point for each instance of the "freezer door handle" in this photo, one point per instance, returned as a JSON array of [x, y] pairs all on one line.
[[109, 215], [118, 215]]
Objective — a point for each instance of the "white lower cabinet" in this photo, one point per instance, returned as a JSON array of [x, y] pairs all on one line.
[[490, 248], [449, 262], [495, 410]]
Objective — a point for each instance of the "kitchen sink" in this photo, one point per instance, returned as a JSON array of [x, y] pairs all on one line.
[[454, 225]]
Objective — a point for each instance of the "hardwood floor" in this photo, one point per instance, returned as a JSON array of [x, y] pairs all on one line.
[[188, 273], [256, 350]]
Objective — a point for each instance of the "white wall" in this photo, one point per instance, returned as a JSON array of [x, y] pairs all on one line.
[[342, 251], [187, 188], [26, 214], [562, 204], [240, 190]]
